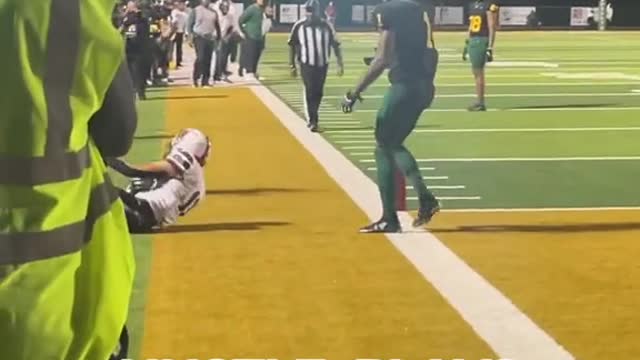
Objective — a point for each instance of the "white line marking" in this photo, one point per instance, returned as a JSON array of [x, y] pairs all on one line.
[[506, 329], [355, 141], [555, 95], [359, 147], [340, 122], [356, 134], [421, 169], [576, 158], [435, 178], [451, 198], [636, 91], [503, 84], [442, 187], [576, 209], [629, 108]]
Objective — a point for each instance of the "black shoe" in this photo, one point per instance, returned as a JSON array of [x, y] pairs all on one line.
[[427, 211], [228, 73], [314, 128], [381, 226]]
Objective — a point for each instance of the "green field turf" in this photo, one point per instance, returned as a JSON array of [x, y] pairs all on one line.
[[562, 130]]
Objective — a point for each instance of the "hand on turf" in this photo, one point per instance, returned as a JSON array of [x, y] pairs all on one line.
[[489, 55], [293, 71], [348, 102]]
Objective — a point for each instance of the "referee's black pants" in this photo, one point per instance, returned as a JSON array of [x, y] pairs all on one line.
[[314, 78]]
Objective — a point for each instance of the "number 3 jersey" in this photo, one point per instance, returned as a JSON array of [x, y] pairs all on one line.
[[177, 196]]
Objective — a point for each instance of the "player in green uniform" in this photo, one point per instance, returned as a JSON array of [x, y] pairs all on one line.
[[406, 47], [483, 21]]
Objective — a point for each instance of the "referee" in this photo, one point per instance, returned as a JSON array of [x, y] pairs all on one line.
[[311, 41]]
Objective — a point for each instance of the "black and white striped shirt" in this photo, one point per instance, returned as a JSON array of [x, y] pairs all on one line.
[[314, 40]]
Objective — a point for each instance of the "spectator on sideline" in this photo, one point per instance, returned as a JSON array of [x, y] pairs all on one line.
[[135, 27], [251, 23], [204, 30], [230, 30], [179, 18], [330, 12]]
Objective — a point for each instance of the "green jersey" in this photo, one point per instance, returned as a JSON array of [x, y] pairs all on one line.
[[478, 23], [416, 58]]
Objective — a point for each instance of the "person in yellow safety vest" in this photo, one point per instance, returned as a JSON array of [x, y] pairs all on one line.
[[66, 258]]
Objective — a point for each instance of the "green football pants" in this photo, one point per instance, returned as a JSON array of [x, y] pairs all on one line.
[[401, 108], [71, 307], [478, 52]]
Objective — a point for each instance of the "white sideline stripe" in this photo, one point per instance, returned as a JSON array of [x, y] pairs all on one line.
[[435, 178], [356, 134], [560, 209], [508, 331], [635, 91], [508, 95], [421, 169], [452, 198], [629, 108]]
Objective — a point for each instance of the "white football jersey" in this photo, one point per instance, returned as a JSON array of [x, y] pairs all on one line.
[[177, 196]]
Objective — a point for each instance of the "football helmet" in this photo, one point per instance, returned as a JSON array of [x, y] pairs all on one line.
[[194, 142]]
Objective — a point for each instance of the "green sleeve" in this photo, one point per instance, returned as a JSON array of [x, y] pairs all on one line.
[[247, 15]]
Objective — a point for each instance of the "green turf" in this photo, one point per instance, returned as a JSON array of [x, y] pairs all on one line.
[[146, 147], [540, 80]]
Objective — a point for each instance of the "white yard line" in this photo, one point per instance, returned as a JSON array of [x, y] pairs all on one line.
[[509, 84], [421, 169], [506, 329], [576, 209], [362, 134], [524, 159], [630, 108], [435, 178], [442, 187], [447, 96], [451, 198], [364, 147]]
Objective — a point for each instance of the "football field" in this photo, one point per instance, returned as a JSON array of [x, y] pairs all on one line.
[[534, 256]]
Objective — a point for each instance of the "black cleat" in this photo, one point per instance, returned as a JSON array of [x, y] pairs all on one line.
[[381, 226], [426, 213]]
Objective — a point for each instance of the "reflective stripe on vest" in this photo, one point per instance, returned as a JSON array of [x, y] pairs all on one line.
[[58, 164], [22, 247]]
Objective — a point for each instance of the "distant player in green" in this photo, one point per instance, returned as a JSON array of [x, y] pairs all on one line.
[[406, 47], [483, 21]]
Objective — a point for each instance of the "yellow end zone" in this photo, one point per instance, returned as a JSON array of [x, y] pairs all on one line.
[[271, 266], [574, 273]]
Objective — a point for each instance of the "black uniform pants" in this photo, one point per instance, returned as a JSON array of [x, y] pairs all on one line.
[[179, 39], [222, 59], [140, 217], [204, 54], [314, 78], [250, 56], [139, 64]]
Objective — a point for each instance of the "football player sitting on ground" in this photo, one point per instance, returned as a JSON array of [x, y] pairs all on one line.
[[161, 191]]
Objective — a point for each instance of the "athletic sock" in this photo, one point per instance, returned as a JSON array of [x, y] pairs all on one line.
[[386, 183], [409, 167]]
